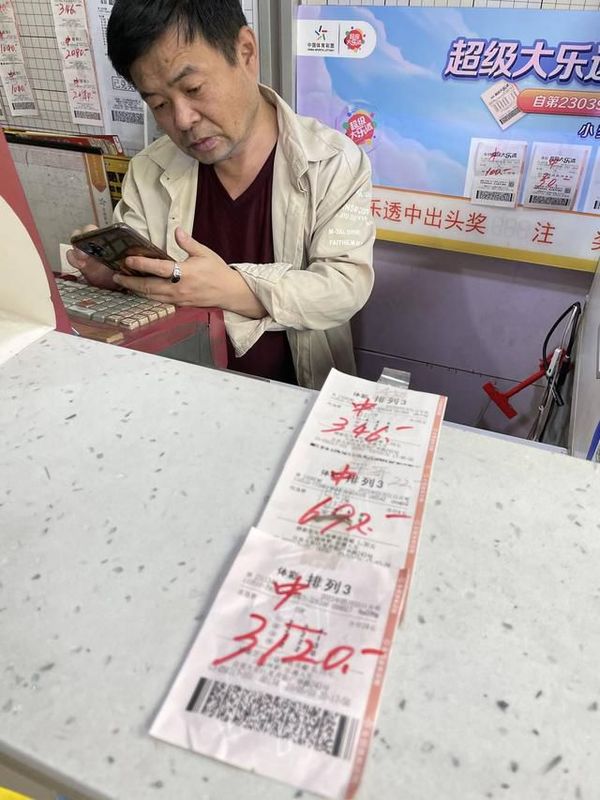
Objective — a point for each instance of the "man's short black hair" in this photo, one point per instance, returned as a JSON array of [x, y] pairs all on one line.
[[135, 25]]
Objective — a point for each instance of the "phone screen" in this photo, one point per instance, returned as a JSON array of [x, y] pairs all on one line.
[[112, 245]]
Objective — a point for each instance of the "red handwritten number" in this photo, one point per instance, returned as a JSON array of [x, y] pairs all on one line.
[[546, 182], [303, 656], [337, 426], [374, 436], [336, 658], [331, 660], [252, 635], [362, 430], [313, 511], [268, 653], [363, 519], [340, 517], [339, 657], [342, 514]]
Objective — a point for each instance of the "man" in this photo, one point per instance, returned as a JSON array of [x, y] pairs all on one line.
[[266, 213]]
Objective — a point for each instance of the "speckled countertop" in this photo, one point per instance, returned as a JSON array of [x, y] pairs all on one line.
[[127, 484]]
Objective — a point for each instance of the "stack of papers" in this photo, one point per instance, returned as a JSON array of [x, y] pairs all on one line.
[[285, 677]]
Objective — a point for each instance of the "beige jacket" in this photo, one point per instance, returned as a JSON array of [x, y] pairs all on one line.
[[322, 236]]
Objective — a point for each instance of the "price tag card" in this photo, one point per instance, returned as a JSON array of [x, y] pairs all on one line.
[[357, 478], [285, 676], [554, 175]]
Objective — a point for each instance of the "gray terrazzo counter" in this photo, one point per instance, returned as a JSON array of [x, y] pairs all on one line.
[[127, 484]]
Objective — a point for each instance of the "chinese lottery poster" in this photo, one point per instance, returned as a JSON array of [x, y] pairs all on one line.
[[482, 125]]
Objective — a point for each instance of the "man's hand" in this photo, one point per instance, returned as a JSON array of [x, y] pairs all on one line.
[[95, 272], [206, 280]]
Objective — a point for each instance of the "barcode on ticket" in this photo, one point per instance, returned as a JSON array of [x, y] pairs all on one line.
[[298, 722], [500, 196], [86, 114], [549, 201], [513, 112], [127, 116]]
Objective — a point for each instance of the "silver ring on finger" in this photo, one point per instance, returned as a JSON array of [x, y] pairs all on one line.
[[176, 274]]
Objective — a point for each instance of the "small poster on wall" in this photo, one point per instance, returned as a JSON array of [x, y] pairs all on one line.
[[19, 94], [73, 39], [482, 125]]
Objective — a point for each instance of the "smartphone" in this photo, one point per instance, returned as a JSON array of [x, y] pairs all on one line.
[[112, 245]]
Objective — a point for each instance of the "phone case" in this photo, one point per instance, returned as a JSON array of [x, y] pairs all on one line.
[[113, 244]]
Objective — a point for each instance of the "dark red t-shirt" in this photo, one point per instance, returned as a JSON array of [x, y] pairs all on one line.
[[241, 230]]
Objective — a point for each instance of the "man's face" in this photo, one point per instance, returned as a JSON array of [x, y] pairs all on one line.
[[204, 104]]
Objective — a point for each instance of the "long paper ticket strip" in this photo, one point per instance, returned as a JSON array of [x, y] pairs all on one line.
[[286, 674], [357, 478]]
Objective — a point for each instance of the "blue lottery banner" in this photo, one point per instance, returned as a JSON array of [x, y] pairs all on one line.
[[482, 125]]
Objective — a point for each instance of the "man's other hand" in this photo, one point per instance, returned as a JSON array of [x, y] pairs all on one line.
[[206, 280], [95, 272]]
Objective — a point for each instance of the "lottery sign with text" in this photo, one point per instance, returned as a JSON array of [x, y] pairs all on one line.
[[484, 141]]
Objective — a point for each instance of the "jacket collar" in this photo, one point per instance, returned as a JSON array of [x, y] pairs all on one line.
[[301, 139]]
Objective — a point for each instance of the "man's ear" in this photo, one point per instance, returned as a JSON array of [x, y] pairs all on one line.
[[247, 48]]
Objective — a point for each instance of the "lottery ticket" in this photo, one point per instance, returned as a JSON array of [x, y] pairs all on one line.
[[501, 101], [285, 676], [14, 78], [356, 479], [554, 175], [21, 100], [72, 37], [495, 169]]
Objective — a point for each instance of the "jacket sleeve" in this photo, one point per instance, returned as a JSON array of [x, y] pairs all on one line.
[[338, 277], [130, 208]]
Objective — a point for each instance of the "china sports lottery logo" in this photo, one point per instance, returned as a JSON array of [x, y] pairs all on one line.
[[360, 126], [355, 39]]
